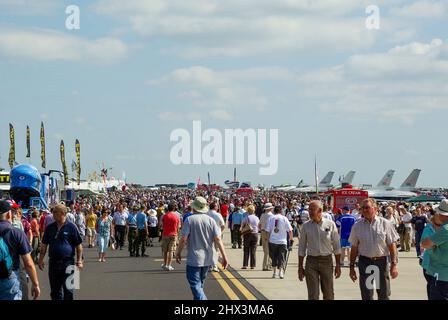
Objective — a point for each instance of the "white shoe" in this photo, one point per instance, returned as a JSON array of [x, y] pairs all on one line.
[[282, 274], [170, 268], [215, 269], [162, 266], [274, 275]]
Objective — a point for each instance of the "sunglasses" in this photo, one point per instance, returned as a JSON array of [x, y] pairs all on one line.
[[366, 208]]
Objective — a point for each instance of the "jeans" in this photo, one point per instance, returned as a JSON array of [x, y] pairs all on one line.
[[103, 243], [196, 278], [10, 288], [438, 290], [418, 237], [132, 239], [237, 239], [429, 279], [57, 273], [365, 278], [142, 235], [119, 235]]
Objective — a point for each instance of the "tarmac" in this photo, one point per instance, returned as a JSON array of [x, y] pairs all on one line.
[[128, 278]]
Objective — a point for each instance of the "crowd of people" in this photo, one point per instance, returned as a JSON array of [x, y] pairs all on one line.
[[367, 235]]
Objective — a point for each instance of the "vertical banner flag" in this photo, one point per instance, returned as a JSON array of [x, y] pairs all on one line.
[[42, 143], [78, 161], [28, 142], [64, 165], [12, 148]]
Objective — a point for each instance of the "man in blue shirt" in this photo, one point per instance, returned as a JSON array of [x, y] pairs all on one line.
[[345, 224], [18, 248], [63, 240], [237, 219], [189, 212], [132, 232], [142, 231]]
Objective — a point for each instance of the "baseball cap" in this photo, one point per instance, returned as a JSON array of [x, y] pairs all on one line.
[[5, 206], [14, 204]]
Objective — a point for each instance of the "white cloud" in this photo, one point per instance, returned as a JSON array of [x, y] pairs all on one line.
[[30, 7], [422, 9], [80, 121], [240, 28], [401, 84], [223, 115], [180, 116], [44, 44], [222, 90]]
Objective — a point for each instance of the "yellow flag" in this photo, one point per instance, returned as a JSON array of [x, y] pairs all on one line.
[[78, 159], [42, 143], [64, 165], [12, 148]]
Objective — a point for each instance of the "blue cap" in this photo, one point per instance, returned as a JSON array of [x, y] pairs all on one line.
[[346, 208]]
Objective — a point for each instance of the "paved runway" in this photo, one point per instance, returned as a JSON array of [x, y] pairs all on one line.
[[128, 278], [124, 277]]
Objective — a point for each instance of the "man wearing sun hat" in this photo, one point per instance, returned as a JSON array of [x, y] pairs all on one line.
[[267, 214], [201, 233], [438, 264]]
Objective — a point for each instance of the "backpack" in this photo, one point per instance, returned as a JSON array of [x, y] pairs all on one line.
[[5, 258]]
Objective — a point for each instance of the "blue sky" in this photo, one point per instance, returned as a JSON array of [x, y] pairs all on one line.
[[367, 100]]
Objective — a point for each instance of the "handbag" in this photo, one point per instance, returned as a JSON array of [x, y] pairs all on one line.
[[246, 229]]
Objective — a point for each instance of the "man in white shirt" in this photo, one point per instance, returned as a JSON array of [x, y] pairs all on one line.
[[267, 263], [220, 222], [355, 212], [405, 237], [326, 214], [119, 221], [71, 214]]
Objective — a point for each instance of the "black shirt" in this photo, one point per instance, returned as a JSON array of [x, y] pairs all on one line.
[[419, 223], [62, 243]]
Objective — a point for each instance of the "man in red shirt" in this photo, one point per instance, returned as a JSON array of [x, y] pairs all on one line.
[[42, 220], [170, 226], [224, 211]]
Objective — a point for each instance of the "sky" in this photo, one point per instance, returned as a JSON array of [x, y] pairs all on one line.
[[359, 99]]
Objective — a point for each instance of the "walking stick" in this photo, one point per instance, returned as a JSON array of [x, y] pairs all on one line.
[[287, 257]]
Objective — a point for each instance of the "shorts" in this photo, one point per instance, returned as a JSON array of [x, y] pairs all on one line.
[[169, 243], [91, 232], [345, 243]]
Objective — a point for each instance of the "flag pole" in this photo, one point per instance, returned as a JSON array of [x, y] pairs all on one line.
[[315, 174]]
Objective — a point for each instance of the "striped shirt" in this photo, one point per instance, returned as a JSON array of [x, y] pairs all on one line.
[[373, 239]]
